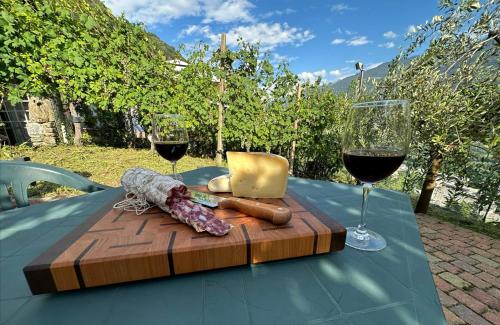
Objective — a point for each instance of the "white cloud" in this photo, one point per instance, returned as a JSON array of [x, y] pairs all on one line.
[[278, 58], [358, 41], [153, 12], [201, 30], [268, 35], [388, 45], [351, 61], [311, 77], [227, 11], [411, 29], [330, 76], [338, 41], [341, 73], [390, 35], [287, 11], [355, 41], [191, 29], [341, 7], [344, 31], [335, 73]]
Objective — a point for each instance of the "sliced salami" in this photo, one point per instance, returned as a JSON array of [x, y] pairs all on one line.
[[172, 196]]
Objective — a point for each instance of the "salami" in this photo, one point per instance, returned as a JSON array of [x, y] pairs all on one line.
[[172, 196]]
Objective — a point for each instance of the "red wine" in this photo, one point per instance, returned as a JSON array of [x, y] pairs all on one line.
[[171, 151], [372, 165]]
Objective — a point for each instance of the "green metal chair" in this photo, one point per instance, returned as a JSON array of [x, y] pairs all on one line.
[[20, 174]]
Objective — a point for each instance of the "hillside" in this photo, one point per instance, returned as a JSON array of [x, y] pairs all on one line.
[[378, 72], [381, 71], [170, 52]]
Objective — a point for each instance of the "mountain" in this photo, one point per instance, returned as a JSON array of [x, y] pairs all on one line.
[[378, 72], [170, 52]]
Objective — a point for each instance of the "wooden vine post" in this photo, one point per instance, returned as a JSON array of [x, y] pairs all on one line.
[[295, 128], [220, 123]]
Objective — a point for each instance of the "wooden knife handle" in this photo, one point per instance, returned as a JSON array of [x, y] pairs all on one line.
[[273, 213]]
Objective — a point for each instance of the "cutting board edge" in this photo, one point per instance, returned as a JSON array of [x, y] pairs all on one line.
[[38, 273], [336, 228]]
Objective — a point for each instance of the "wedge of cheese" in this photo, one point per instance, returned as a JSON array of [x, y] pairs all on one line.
[[257, 174], [220, 184]]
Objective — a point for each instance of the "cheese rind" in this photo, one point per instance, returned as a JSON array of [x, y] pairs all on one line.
[[220, 184], [257, 174]]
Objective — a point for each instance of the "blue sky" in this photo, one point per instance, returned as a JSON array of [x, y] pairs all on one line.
[[317, 38]]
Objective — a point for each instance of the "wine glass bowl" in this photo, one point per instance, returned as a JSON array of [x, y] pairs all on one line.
[[170, 138], [375, 144]]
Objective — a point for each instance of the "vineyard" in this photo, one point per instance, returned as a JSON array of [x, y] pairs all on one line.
[[112, 74]]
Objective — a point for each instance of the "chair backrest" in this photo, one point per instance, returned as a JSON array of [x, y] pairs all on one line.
[[20, 174]]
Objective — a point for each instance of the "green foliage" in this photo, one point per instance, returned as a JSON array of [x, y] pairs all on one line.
[[261, 105], [78, 51], [483, 173], [321, 121], [257, 99], [194, 94], [453, 90]]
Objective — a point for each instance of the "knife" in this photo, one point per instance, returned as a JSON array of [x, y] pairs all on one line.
[[273, 213]]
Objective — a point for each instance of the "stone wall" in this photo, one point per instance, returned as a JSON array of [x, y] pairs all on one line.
[[41, 126]]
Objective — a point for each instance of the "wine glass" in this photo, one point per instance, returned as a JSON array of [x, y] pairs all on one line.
[[375, 143], [170, 138]]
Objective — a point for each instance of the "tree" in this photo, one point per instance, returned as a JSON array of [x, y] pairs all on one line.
[[319, 136], [451, 86], [79, 52], [257, 99], [195, 95]]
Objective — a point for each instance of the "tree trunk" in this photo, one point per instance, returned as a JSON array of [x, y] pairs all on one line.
[[429, 183], [77, 140], [152, 147], [491, 203], [131, 131]]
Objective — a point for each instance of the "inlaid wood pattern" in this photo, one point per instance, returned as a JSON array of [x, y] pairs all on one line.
[[115, 246]]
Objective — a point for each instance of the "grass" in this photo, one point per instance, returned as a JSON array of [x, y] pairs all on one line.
[[103, 165]]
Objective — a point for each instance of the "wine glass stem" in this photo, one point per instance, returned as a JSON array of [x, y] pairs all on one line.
[[174, 171], [361, 230]]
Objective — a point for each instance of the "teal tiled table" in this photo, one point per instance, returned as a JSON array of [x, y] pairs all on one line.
[[393, 286]]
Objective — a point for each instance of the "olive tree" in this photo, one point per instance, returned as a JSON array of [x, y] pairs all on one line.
[[452, 86]]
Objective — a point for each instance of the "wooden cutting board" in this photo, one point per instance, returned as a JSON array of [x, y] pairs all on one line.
[[115, 246]]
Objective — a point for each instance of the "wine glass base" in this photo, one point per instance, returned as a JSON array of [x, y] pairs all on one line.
[[372, 241]]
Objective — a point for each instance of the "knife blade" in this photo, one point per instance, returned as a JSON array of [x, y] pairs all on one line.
[[273, 213]]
